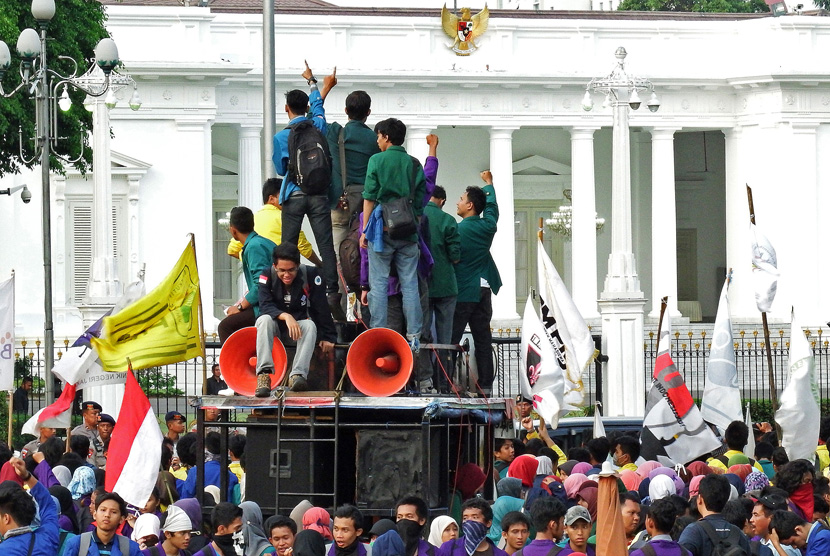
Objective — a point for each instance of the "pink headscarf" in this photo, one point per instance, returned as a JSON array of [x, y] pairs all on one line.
[[589, 492], [694, 485], [582, 467], [318, 519], [630, 479], [572, 484], [647, 467]]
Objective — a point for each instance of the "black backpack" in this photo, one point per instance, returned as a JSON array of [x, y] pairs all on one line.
[[724, 546], [309, 159]]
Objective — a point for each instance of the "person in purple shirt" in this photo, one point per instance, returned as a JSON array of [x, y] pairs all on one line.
[[659, 523], [547, 514], [411, 514], [347, 529], [476, 519], [578, 529]]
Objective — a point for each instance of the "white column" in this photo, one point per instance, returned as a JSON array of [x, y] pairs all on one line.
[[134, 240], [504, 244], [250, 167], [583, 226], [416, 142], [663, 221], [104, 285], [621, 302], [59, 272], [741, 291]]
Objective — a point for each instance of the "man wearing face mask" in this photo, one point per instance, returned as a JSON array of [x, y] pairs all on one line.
[[626, 452], [411, 515], [476, 519], [226, 519]]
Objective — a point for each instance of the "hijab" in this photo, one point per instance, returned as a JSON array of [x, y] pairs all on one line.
[[67, 507], [694, 485], [318, 519], [572, 484], [177, 520], [742, 470], [193, 510], [309, 542], [756, 481], [437, 528], [736, 482], [647, 467], [661, 486], [589, 492], [255, 539], [62, 474], [545, 465], [523, 468], [630, 479], [146, 525], [679, 485], [697, 468], [582, 467], [568, 466], [469, 478], [389, 544], [299, 511], [509, 486], [83, 482]]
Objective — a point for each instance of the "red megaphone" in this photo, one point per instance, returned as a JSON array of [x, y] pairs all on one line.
[[237, 360], [379, 362]]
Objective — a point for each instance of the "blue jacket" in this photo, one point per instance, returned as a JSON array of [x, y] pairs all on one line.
[[280, 156], [818, 541], [212, 477], [46, 536], [73, 545]]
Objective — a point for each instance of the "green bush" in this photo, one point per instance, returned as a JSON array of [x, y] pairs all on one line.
[[156, 382]]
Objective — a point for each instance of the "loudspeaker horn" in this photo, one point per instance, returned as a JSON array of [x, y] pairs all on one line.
[[379, 362], [237, 360]]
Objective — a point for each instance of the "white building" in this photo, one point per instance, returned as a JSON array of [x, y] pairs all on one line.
[[745, 100]]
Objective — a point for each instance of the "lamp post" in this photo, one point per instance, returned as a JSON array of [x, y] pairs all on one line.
[[43, 83], [621, 301]]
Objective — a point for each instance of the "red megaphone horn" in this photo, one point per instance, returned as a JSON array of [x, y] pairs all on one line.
[[237, 360], [379, 362]]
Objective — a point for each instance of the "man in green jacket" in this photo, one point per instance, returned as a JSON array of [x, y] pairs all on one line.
[[445, 247], [476, 274], [256, 261]]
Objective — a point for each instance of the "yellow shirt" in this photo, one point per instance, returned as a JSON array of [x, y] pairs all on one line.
[[268, 224], [823, 457], [628, 467], [236, 469]]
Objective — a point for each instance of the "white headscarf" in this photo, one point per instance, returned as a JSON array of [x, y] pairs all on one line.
[[213, 490], [145, 525], [436, 530], [177, 520], [545, 466], [62, 474], [661, 486]]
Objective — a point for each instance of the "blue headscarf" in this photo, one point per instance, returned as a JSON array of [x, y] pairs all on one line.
[[83, 482], [388, 544]]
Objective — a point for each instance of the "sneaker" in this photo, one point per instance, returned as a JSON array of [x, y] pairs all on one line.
[[425, 387], [263, 385], [414, 344], [297, 383], [337, 312]]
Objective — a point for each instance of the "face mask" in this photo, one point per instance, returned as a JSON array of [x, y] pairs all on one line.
[[231, 544], [474, 533], [616, 461]]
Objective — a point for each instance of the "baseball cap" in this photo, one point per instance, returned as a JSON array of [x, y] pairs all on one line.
[[773, 502], [576, 513], [105, 418], [172, 416], [91, 405], [520, 399]]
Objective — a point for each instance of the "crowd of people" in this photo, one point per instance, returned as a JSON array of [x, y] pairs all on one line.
[[546, 502], [378, 221]]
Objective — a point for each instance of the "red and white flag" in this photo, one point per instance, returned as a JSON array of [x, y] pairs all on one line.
[[55, 416], [135, 447]]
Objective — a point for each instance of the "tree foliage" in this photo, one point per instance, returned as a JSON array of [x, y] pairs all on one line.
[[77, 27], [720, 6]]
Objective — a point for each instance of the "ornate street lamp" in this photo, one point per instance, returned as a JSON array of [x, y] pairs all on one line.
[[43, 83]]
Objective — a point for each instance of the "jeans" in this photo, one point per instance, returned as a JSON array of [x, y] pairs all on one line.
[[396, 321], [478, 316], [405, 256], [266, 329], [319, 216], [441, 312]]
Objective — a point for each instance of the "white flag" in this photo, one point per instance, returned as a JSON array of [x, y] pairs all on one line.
[[749, 449], [599, 428], [80, 366], [565, 328], [542, 379], [798, 413], [721, 403], [764, 269], [7, 335]]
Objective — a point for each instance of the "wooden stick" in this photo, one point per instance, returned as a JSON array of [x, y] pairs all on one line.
[[11, 414], [201, 319], [541, 232], [663, 304], [773, 391]]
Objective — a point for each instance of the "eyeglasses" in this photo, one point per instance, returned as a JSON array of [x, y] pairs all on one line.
[[287, 270]]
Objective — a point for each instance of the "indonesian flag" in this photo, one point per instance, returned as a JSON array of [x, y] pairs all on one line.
[[673, 428], [721, 402], [135, 447], [799, 412], [764, 269], [55, 416]]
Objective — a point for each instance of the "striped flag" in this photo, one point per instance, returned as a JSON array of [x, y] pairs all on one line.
[[55, 416], [764, 269], [673, 428], [135, 447], [799, 413], [7, 335], [721, 402]]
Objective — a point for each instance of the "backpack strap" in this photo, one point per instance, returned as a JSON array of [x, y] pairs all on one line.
[[648, 550], [31, 544], [519, 552], [86, 540], [555, 550], [154, 551], [710, 532], [123, 545], [341, 143], [755, 548]]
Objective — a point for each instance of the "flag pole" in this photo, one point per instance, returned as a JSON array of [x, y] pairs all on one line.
[[773, 394], [541, 232], [11, 393], [201, 319], [663, 304]]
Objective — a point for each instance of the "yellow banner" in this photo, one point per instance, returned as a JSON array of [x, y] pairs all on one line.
[[161, 328]]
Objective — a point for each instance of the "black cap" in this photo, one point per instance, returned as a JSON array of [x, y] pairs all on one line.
[[773, 502], [91, 405], [172, 415], [105, 418], [520, 399]]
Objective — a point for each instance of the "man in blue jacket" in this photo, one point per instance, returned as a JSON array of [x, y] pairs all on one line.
[[811, 538], [110, 513], [17, 512]]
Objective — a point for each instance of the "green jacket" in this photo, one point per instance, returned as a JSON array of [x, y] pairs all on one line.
[[389, 176], [445, 247], [256, 260], [476, 233], [360, 144]]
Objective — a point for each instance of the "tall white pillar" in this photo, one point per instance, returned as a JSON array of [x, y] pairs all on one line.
[[504, 244], [416, 142], [104, 285], [663, 221], [741, 291], [621, 302], [250, 167], [583, 224]]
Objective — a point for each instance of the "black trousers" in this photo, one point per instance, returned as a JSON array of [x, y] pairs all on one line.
[[478, 316]]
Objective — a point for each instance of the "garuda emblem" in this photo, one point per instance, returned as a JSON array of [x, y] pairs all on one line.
[[465, 29]]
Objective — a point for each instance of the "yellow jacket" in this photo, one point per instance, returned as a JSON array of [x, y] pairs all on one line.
[[268, 224]]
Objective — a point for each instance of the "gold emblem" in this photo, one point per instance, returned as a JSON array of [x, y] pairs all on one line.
[[465, 29]]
